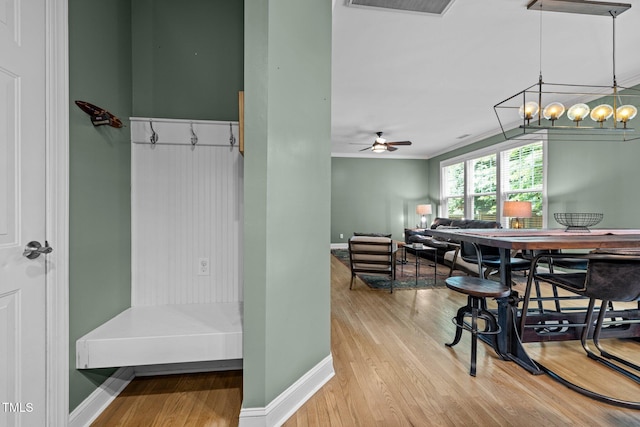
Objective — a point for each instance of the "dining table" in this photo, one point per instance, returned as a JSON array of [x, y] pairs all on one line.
[[509, 341]]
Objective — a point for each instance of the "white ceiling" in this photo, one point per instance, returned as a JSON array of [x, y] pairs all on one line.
[[433, 79]]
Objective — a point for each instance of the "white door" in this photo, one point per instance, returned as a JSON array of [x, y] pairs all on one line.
[[22, 212]]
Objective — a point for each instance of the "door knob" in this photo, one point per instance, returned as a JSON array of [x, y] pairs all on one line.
[[34, 249]]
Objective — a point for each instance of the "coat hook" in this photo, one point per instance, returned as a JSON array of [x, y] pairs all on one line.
[[154, 135], [194, 137], [232, 139]]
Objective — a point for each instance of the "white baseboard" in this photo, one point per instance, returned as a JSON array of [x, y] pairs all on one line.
[[339, 245], [98, 401], [92, 406], [287, 403]]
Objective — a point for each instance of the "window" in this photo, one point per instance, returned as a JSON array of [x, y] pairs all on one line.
[[453, 179], [475, 185], [522, 180]]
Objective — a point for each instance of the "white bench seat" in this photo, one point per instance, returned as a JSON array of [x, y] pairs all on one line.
[[150, 335]]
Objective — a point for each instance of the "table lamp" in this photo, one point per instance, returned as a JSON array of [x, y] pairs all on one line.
[[516, 210], [423, 210]]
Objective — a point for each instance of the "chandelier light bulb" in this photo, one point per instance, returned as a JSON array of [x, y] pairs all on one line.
[[625, 113], [601, 113], [528, 111], [578, 112], [553, 111]]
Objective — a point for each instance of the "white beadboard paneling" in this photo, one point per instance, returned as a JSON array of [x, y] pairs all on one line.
[[8, 159], [186, 205]]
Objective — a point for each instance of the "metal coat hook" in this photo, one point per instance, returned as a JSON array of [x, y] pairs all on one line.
[[154, 135], [194, 137], [232, 139]]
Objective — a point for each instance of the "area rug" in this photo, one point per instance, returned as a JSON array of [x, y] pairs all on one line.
[[405, 273]]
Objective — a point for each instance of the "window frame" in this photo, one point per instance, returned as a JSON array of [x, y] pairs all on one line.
[[501, 195]]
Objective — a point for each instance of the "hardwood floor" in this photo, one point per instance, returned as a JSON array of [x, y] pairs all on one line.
[[393, 369]]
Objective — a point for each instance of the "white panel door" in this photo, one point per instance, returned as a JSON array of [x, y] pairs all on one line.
[[22, 212]]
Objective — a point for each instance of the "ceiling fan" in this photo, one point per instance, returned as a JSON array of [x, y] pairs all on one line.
[[380, 144]]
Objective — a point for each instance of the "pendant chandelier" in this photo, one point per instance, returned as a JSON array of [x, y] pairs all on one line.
[[539, 107]]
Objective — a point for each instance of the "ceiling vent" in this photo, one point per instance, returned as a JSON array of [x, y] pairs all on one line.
[[431, 7]]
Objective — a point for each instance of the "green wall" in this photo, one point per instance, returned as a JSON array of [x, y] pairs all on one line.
[[99, 177], [187, 58], [376, 196], [287, 193]]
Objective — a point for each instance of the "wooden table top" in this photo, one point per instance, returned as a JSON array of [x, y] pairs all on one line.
[[542, 238]]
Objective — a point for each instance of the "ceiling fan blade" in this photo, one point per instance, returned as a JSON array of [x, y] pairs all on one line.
[[365, 149], [391, 148], [399, 143]]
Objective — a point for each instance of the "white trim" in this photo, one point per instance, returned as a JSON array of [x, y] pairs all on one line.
[[339, 245], [287, 403], [57, 215], [96, 402]]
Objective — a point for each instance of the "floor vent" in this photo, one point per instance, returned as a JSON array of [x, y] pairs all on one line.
[[432, 7]]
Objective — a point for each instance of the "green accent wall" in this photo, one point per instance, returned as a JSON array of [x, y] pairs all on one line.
[[187, 58], [99, 177], [287, 194], [376, 196]]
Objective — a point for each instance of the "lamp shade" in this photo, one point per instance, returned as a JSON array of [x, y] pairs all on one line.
[[529, 110], [423, 209], [625, 113], [516, 209], [553, 111], [601, 113], [578, 112]]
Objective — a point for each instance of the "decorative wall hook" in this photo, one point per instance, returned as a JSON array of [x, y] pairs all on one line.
[[154, 135], [232, 139], [99, 116], [194, 137]]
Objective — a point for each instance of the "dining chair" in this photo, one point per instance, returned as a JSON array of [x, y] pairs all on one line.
[[551, 264], [373, 255], [488, 259], [611, 275]]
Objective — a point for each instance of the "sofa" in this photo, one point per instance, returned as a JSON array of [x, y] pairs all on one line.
[[445, 252]]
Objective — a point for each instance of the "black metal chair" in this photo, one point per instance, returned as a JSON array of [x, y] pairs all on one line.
[[488, 259], [612, 275], [550, 264]]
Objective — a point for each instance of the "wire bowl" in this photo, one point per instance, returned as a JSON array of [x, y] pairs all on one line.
[[578, 221]]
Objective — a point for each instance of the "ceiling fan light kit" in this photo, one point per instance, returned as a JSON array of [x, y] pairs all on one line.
[[539, 105], [380, 145]]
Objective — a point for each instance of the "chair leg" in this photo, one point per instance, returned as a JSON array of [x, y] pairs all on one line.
[[474, 337], [353, 276], [475, 309], [459, 321], [598, 327], [596, 339]]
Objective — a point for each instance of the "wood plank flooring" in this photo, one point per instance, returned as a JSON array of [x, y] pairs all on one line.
[[393, 369]]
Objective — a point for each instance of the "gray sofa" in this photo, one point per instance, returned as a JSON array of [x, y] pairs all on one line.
[[442, 247]]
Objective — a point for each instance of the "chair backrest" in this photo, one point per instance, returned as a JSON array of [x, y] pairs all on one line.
[[371, 254], [613, 274]]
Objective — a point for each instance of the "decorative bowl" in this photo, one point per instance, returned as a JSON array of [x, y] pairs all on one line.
[[578, 221]]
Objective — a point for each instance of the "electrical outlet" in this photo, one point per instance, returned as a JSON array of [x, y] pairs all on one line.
[[203, 267], [341, 236]]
